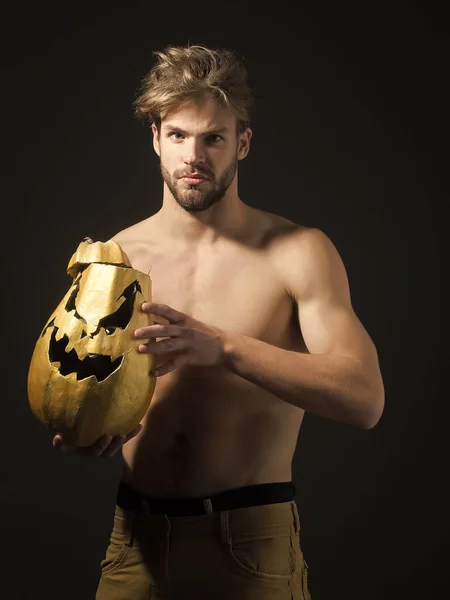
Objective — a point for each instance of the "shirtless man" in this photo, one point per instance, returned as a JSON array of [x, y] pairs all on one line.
[[253, 326]]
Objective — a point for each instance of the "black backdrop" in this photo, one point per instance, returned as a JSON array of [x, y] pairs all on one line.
[[349, 114]]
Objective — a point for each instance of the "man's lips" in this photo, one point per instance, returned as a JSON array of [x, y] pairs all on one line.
[[193, 179]]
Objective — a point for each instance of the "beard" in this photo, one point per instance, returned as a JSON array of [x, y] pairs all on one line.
[[193, 198]]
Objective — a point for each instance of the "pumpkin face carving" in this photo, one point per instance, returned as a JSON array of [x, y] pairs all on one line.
[[86, 377]]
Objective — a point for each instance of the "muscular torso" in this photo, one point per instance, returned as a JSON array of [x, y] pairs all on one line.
[[207, 429]]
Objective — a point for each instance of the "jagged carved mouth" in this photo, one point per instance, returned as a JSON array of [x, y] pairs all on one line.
[[98, 365]]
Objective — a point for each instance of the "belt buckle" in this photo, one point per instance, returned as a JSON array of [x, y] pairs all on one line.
[[207, 505]]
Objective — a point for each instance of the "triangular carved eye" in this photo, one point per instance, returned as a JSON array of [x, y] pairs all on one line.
[[71, 304], [122, 316]]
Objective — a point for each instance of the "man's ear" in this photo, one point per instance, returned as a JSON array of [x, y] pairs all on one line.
[[156, 139], [244, 143]]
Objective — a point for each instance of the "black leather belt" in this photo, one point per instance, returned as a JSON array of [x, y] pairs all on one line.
[[253, 495]]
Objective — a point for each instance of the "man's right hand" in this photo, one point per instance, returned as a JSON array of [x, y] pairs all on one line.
[[105, 446]]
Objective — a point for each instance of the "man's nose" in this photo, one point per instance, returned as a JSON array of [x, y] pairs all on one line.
[[194, 152]]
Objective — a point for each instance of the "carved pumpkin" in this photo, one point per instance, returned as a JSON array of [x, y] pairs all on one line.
[[86, 377]]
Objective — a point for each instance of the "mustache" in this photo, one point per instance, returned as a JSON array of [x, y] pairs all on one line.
[[197, 171]]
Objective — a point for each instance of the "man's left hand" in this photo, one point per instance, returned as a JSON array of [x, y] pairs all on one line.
[[187, 341]]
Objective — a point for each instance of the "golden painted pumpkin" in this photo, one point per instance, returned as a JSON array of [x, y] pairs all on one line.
[[86, 377]]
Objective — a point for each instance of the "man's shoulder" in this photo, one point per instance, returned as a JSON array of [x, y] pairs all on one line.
[[281, 233], [297, 250], [131, 233], [135, 240], [142, 232]]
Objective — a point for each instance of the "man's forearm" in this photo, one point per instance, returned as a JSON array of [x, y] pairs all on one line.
[[327, 385]]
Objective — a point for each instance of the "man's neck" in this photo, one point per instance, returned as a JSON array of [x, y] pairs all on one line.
[[228, 218]]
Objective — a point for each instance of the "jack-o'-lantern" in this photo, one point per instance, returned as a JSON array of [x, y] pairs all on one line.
[[86, 377]]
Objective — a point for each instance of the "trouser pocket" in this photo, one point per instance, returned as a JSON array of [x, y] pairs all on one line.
[[120, 543], [260, 541]]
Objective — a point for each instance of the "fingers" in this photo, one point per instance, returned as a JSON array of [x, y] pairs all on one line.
[[100, 446], [134, 433], [154, 332], [59, 444], [167, 366], [162, 310], [163, 346], [105, 446], [57, 441], [116, 443]]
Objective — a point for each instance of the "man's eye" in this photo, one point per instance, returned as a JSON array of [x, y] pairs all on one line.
[[214, 138], [176, 135]]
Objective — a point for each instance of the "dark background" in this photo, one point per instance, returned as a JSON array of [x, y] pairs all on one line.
[[349, 113]]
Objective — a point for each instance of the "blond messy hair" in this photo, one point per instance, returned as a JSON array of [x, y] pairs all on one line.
[[187, 72]]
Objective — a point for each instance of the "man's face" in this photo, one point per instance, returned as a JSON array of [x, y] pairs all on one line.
[[199, 150]]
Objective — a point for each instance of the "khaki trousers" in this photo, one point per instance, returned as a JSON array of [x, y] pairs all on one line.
[[250, 553]]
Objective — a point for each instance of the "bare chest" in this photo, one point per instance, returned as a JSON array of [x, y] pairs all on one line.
[[215, 413], [236, 290]]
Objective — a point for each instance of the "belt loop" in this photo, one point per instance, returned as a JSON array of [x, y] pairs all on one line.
[[131, 526], [207, 504], [296, 517]]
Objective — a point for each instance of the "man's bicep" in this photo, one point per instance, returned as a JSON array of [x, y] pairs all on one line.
[[321, 291], [330, 327]]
